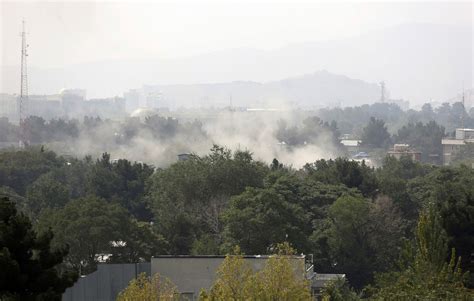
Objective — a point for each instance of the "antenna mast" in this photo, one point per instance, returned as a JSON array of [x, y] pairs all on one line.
[[23, 103], [382, 91], [463, 109]]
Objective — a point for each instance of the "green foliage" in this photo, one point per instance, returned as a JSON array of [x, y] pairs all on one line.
[[348, 172], [20, 168], [29, 268], [312, 130], [339, 290], [122, 182], [426, 138], [351, 217], [359, 238], [424, 273], [283, 210], [92, 228], [46, 192], [280, 279], [234, 279], [393, 180], [188, 197], [375, 134], [451, 191], [144, 288]]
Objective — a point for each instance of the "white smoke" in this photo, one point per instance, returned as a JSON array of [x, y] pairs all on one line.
[[236, 130]]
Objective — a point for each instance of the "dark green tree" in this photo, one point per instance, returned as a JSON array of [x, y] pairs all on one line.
[[343, 171], [188, 198], [94, 228], [29, 267], [424, 272], [375, 134]]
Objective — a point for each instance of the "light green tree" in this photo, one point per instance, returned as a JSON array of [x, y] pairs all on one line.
[[145, 288], [424, 273], [234, 279], [280, 279]]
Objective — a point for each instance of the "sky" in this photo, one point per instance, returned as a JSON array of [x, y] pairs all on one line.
[[73, 32]]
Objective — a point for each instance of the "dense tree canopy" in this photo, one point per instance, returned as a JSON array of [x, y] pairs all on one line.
[[29, 267], [353, 218]]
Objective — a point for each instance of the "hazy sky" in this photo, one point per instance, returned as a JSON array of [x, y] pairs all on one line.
[[64, 33]]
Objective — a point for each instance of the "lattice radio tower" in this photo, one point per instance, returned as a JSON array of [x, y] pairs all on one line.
[[23, 102], [382, 91]]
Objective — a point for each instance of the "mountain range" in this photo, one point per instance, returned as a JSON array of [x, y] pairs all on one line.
[[418, 62]]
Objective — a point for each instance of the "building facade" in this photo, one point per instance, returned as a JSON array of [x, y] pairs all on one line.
[[453, 145]]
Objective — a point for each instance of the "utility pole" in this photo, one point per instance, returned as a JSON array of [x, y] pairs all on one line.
[[23, 102]]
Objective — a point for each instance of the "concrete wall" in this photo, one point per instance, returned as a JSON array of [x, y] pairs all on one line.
[[193, 273], [105, 283]]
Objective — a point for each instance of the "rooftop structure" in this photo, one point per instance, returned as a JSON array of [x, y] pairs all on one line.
[[404, 150], [452, 145], [189, 273]]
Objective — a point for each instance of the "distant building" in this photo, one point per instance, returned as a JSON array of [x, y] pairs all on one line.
[[111, 107], [132, 100], [190, 274], [351, 145], [8, 106], [183, 157], [72, 101], [363, 157], [143, 113], [404, 150], [452, 146], [46, 106]]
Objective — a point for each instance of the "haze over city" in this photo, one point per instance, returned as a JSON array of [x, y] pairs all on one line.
[[107, 48], [236, 150]]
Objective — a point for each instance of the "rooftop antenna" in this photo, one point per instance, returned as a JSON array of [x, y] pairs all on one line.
[[382, 91], [23, 102]]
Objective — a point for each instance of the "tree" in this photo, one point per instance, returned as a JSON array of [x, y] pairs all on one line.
[[339, 290], [234, 279], [426, 138], [188, 198], [18, 169], [450, 191], [375, 134], [260, 218], [145, 288], [359, 237], [94, 228], [424, 273], [343, 171], [47, 192], [29, 268], [280, 279], [394, 177], [348, 242]]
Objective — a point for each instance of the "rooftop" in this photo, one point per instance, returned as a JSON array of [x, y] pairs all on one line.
[[452, 141]]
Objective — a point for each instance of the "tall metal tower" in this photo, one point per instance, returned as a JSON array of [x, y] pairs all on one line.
[[463, 109], [382, 91], [23, 101]]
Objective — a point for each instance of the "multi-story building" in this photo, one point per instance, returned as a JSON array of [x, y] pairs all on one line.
[[404, 150], [452, 145]]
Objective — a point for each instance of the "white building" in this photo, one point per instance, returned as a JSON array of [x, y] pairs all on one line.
[[451, 146]]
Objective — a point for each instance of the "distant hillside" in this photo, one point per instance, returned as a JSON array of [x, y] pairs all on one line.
[[312, 90], [418, 62]]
